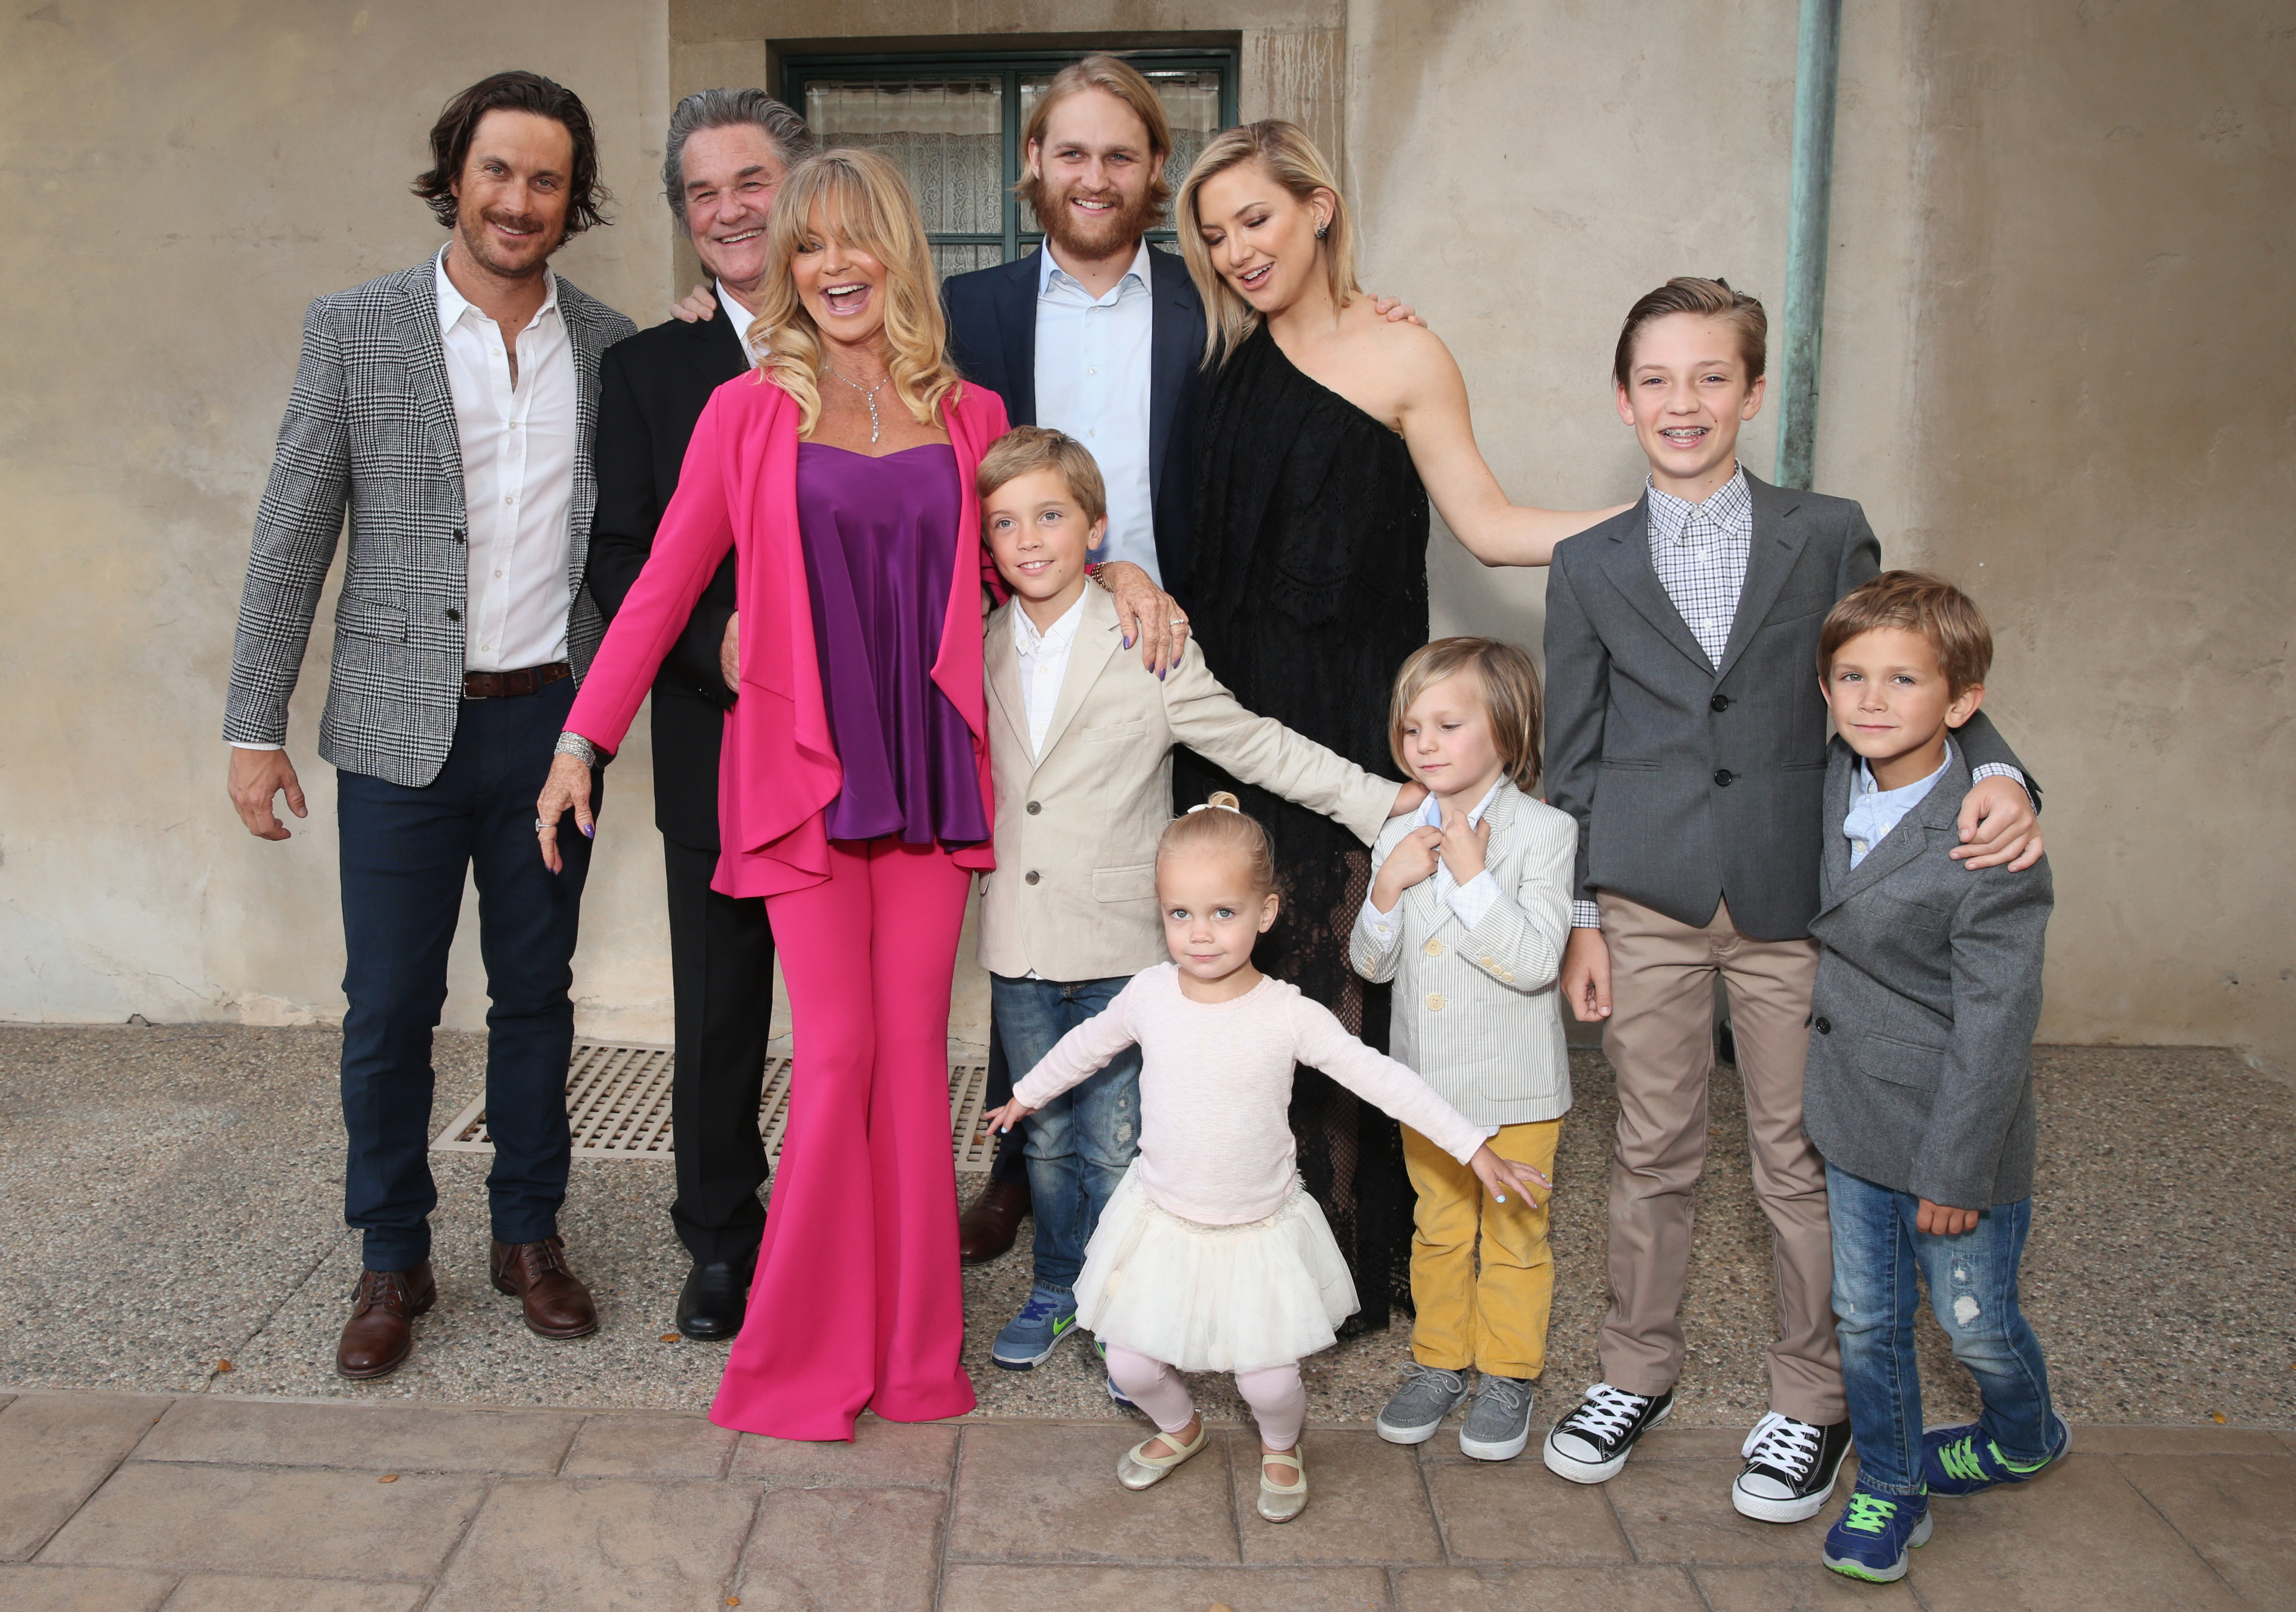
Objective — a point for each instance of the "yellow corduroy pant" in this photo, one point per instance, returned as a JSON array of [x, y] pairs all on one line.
[[1482, 1277]]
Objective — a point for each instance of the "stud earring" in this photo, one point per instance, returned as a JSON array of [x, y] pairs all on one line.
[[1323, 230]]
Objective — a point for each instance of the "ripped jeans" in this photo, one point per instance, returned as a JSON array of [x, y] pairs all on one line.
[[1973, 1283]]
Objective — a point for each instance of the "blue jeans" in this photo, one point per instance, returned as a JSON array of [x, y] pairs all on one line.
[[1973, 1283], [405, 855], [1081, 1142]]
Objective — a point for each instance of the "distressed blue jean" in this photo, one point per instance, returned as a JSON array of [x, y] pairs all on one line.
[[1081, 1142], [1972, 1283]]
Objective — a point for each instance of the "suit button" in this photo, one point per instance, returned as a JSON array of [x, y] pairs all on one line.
[[1724, 777], [1035, 807], [459, 539], [1720, 702], [1434, 948], [453, 614], [1435, 1001], [1033, 876], [1824, 1025]]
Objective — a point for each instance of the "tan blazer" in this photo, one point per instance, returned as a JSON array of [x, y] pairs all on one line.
[[1074, 893]]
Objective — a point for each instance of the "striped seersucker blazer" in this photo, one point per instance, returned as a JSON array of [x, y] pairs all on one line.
[[370, 429], [1476, 1011]]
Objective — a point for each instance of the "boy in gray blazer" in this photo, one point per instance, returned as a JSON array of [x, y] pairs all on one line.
[[1919, 1086]]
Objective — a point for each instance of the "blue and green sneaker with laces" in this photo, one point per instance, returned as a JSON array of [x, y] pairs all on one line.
[[1029, 1337], [1962, 1461], [1873, 1535]]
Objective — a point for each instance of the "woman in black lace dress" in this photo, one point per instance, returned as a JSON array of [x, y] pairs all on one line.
[[1322, 430]]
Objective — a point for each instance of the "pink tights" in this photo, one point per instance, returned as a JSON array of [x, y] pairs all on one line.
[[1278, 1401]]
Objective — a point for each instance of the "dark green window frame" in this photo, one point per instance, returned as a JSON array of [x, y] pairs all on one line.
[[797, 71]]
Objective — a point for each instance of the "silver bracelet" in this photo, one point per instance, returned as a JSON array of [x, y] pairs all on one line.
[[575, 745]]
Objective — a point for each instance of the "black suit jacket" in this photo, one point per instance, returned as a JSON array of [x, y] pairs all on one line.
[[652, 389], [992, 335]]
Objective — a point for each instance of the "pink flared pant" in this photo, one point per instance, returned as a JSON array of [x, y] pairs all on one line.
[[858, 1300]]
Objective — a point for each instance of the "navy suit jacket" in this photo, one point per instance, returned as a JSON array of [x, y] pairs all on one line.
[[992, 335]]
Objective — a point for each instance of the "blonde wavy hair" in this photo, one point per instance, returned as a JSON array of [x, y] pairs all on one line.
[[1291, 159], [866, 202]]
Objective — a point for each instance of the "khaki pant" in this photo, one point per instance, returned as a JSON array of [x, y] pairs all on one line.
[[1659, 1039], [1481, 1275]]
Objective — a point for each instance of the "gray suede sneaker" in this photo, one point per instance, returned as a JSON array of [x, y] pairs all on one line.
[[1428, 1396], [1498, 1425]]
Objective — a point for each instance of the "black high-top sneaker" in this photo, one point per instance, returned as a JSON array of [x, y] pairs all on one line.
[[1791, 1467], [1590, 1444]]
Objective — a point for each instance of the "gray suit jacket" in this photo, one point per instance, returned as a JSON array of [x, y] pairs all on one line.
[[1921, 1074], [1693, 783], [370, 428], [1475, 1011]]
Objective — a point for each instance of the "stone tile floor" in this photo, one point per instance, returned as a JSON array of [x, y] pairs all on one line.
[[140, 1502]]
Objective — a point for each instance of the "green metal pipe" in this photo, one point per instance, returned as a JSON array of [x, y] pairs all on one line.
[[1817, 67]]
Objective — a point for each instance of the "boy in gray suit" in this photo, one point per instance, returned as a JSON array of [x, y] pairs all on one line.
[[1919, 1086]]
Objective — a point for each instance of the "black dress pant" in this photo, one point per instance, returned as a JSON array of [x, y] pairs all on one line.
[[721, 967]]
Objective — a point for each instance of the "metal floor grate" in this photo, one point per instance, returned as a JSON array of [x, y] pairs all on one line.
[[617, 1102]]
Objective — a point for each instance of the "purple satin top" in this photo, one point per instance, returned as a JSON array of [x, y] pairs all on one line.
[[880, 538]]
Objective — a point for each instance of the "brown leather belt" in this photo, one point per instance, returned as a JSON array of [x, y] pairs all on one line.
[[526, 680]]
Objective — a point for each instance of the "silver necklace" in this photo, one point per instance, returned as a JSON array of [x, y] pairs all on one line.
[[868, 396]]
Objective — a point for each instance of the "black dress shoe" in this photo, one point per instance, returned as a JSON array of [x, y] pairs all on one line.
[[715, 1298]]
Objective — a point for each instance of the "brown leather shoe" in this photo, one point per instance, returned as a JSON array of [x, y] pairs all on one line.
[[557, 1303], [380, 1335], [988, 1228]]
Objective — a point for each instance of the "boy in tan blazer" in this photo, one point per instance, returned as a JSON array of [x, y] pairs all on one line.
[[1080, 740]]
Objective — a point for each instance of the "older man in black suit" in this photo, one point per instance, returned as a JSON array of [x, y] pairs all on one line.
[[727, 153]]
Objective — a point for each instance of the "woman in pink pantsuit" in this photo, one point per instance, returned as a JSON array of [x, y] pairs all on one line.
[[855, 794]]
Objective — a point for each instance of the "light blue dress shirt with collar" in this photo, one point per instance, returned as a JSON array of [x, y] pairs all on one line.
[[1093, 376], [1471, 901], [1874, 811]]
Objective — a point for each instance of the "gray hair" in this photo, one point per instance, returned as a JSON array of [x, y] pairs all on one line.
[[729, 108]]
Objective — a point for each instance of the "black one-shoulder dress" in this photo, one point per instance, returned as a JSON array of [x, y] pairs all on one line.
[[1307, 589]]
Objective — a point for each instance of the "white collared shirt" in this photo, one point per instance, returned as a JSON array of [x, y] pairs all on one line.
[[1471, 901], [1092, 382], [517, 478], [1874, 811], [739, 318], [1044, 663]]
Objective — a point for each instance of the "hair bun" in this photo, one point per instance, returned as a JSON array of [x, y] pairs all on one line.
[[1221, 799]]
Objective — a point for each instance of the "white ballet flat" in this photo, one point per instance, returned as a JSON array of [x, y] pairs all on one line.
[[1281, 1502], [1137, 1469]]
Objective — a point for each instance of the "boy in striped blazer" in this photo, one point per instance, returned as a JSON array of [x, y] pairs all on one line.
[[1469, 909]]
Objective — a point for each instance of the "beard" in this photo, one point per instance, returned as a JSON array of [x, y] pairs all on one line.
[[483, 248], [1117, 229]]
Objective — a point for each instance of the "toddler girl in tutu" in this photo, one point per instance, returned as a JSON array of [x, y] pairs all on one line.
[[1210, 1256]]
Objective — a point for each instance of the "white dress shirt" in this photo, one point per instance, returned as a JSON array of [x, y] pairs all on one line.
[[1471, 901], [739, 318], [1092, 382], [517, 478], [1044, 663], [1874, 811]]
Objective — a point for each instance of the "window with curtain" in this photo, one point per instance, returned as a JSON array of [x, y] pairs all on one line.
[[954, 123]]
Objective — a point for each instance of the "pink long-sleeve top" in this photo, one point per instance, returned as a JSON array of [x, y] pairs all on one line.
[[779, 769], [1216, 1090]]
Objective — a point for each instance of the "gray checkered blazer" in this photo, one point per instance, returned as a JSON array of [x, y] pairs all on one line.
[[370, 428]]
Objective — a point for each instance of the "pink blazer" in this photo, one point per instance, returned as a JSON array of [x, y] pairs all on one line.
[[779, 768]]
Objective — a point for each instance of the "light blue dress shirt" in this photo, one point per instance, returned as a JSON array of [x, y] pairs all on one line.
[[1471, 901], [1874, 811], [1092, 382]]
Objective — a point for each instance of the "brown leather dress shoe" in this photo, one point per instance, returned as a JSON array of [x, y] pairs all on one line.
[[380, 1335], [557, 1303], [988, 1228]]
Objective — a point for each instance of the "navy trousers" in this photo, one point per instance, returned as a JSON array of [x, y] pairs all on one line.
[[405, 855]]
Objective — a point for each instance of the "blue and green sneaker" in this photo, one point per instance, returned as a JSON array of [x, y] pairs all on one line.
[[1962, 1461], [1871, 1537], [1114, 1393], [1029, 1337]]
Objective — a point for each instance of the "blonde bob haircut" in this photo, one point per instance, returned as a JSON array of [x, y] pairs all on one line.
[[1121, 80], [865, 203], [1291, 159], [1221, 826], [1509, 684]]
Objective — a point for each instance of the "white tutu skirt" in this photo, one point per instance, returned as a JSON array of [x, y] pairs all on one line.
[[1213, 1298]]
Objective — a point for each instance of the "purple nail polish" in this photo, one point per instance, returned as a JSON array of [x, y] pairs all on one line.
[[589, 830]]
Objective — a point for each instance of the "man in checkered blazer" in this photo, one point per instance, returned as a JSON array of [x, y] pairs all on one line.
[[450, 410]]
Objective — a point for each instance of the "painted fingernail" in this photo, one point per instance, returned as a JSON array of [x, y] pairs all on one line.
[[589, 830]]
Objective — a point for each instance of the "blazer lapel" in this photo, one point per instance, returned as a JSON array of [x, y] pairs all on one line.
[[1175, 339], [1095, 640], [1001, 662], [1016, 323], [1778, 541], [1938, 809], [1628, 567], [726, 359], [425, 351], [1833, 856]]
